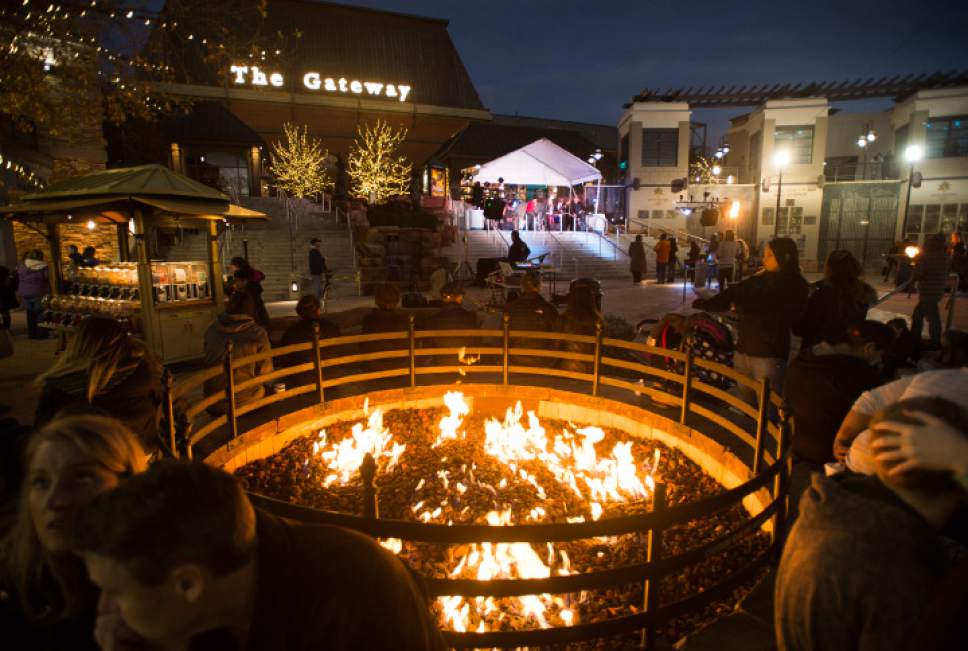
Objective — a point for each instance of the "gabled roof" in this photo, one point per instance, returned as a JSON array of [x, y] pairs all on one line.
[[540, 163], [144, 180], [486, 141]]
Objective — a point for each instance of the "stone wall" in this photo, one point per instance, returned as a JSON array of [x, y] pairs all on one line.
[[104, 238]]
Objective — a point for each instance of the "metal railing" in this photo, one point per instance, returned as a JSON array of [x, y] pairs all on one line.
[[606, 364]]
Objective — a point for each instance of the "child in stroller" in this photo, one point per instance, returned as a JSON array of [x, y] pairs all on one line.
[[703, 334]]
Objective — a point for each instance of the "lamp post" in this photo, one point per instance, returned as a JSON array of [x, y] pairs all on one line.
[[864, 139], [780, 159], [912, 155]]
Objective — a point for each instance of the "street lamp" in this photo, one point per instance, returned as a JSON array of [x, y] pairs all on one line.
[[781, 158], [717, 170], [912, 155]]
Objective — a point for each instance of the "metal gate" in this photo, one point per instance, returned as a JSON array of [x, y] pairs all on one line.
[[860, 217]]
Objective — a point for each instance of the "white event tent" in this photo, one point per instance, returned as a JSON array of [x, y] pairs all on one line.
[[540, 163]]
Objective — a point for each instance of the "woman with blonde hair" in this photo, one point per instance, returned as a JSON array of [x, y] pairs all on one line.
[[106, 368], [46, 601]]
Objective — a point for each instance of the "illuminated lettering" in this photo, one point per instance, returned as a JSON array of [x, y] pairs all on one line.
[[276, 79], [330, 84], [391, 90], [356, 87], [342, 84], [311, 80], [240, 72], [373, 88], [404, 91], [259, 77]]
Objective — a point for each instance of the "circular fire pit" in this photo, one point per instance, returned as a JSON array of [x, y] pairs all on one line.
[[494, 456], [537, 515]]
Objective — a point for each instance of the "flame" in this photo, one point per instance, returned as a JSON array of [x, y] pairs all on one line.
[[449, 424], [345, 457]]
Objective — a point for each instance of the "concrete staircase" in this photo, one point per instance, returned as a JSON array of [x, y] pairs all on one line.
[[575, 254], [269, 247]]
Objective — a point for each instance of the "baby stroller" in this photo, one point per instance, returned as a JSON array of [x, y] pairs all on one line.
[[704, 334]]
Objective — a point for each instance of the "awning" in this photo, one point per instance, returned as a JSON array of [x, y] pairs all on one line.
[[540, 163]]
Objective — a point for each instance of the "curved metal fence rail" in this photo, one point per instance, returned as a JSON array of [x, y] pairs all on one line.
[[761, 430]]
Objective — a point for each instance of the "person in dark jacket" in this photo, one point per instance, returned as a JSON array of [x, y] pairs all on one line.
[[34, 284], [47, 602], [837, 303], [581, 317], [637, 262], [317, 267], [385, 317], [89, 257], [8, 295], [518, 252], [931, 276], [238, 326], [865, 555], [309, 310], [767, 303], [247, 279], [673, 259], [451, 316], [229, 570], [824, 381], [106, 368], [530, 311]]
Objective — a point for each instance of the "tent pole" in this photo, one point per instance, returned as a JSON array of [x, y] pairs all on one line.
[[598, 193]]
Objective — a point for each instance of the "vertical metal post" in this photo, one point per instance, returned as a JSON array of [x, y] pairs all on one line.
[[411, 340], [230, 391], [318, 364], [650, 597], [599, 329], [166, 379], [371, 509], [762, 420], [507, 331], [780, 482], [686, 385]]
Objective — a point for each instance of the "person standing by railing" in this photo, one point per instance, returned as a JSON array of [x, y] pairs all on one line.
[[637, 261], [662, 250], [931, 275], [767, 303], [317, 267]]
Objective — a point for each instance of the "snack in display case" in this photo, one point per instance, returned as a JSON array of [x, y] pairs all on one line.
[[180, 281]]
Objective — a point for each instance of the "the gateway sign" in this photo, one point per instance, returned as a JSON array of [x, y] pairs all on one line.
[[316, 82]]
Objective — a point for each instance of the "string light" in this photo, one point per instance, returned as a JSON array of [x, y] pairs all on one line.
[[372, 166]]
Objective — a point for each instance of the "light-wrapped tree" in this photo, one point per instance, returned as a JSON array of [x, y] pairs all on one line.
[[299, 164], [375, 170]]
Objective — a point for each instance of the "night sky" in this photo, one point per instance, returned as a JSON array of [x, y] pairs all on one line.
[[582, 60]]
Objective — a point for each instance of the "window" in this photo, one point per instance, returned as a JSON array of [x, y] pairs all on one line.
[[643, 214], [660, 147], [623, 153], [946, 137], [798, 141], [768, 216]]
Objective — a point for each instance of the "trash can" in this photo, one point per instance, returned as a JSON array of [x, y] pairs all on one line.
[[593, 285]]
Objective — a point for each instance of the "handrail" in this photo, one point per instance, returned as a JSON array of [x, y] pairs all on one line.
[[603, 367]]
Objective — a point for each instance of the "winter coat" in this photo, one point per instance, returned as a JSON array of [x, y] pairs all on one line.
[[831, 311], [317, 263], [726, 253], [248, 338], [637, 261], [767, 303], [133, 396], [531, 311], [857, 570], [662, 251], [518, 252], [931, 274], [34, 279], [377, 320], [302, 332]]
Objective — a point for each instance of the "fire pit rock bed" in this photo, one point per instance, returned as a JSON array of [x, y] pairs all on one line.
[[464, 478]]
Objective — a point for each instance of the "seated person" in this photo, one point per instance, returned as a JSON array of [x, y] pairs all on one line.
[[822, 384], [518, 252], [308, 308], [237, 325], [852, 443], [865, 556], [228, 576], [385, 317], [452, 316], [530, 311], [47, 602], [579, 318]]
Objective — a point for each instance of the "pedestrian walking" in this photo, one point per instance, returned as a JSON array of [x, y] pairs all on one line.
[[318, 270], [662, 249], [34, 284], [931, 276], [637, 262]]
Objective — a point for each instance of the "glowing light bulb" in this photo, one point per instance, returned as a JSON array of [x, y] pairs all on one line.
[[91, 225]]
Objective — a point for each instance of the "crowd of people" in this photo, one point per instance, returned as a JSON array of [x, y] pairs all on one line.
[[108, 544], [722, 259]]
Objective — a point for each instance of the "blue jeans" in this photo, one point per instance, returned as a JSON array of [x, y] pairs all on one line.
[[758, 368], [34, 312]]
